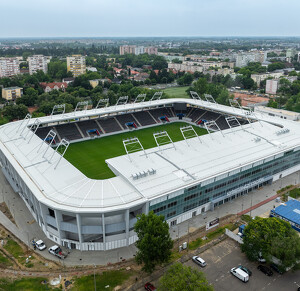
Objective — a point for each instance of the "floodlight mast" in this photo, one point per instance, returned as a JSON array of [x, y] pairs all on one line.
[[160, 135], [129, 145], [51, 134], [34, 127], [156, 96], [185, 130], [27, 118], [122, 100], [56, 109], [208, 126], [64, 143], [235, 104], [140, 98], [210, 98]]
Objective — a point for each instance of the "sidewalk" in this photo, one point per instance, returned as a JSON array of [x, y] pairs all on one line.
[[262, 200]]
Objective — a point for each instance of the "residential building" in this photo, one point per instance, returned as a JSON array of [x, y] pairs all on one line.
[[68, 80], [151, 50], [91, 69], [257, 78], [243, 59], [12, 93], [298, 57], [185, 67], [94, 83], [9, 67], [139, 50], [127, 49], [272, 86], [37, 63], [76, 65], [48, 87]]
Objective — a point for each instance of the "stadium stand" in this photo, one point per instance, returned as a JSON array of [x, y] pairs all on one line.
[[156, 113], [43, 131], [68, 131], [125, 118], [144, 118], [88, 125], [109, 125]]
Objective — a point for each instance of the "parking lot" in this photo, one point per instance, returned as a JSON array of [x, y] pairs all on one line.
[[226, 255]]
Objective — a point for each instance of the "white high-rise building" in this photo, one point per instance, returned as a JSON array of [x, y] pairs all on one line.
[[76, 65], [9, 67], [37, 63]]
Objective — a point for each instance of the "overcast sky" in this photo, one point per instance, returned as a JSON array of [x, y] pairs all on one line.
[[51, 18]]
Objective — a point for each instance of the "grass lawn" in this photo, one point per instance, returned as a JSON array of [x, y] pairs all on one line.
[[25, 284], [111, 278], [4, 261], [177, 92], [15, 250], [89, 156]]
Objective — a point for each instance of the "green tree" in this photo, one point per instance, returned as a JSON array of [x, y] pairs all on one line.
[[13, 112], [272, 237], [154, 242], [183, 278]]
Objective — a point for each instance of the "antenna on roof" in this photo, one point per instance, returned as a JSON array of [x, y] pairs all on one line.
[[212, 126], [163, 138], [189, 132], [133, 145], [122, 100], [140, 98], [156, 96]]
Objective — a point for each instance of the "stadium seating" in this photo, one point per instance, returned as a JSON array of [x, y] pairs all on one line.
[[144, 118], [109, 125], [158, 112], [68, 131], [197, 114], [125, 118], [88, 125], [43, 131]]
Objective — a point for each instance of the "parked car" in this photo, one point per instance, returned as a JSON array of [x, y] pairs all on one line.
[[265, 270], [57, 251], [199, 261], [40, 245], [240, 274], [245, 269], [261, 259], [276, 268], [149, 287]]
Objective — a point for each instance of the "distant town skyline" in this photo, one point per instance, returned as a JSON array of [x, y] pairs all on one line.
[[136, 18]]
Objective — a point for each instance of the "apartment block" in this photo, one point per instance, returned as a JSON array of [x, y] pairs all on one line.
[[12, 93], [127, 49], [9, 67], [272, 86], [37, 63], [76, 65], [151, 50], [137, 50]]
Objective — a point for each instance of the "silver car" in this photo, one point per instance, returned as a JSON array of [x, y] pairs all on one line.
[[199, 261]]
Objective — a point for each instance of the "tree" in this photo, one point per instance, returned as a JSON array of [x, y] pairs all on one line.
[[183, 278], [272, 237], [154, 242], [13, 112]]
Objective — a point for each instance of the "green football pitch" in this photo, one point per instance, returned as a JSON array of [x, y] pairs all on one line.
[[89, 156]]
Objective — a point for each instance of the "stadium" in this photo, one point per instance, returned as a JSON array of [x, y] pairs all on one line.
[[87, 174]]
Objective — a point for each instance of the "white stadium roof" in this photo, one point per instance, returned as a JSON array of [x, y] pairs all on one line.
[[189, 162]]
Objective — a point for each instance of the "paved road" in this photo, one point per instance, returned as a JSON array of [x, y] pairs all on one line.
[[226, 255]]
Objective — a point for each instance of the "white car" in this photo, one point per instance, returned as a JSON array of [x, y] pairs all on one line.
[[240, 274], [40, 245], [199, 261]]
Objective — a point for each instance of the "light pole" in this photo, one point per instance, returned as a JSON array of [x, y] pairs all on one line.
[[95, 278]]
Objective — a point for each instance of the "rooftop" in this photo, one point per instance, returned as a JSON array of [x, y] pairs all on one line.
[[289, 210]]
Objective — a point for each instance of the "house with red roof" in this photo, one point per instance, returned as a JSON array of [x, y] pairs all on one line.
[[48, 87]]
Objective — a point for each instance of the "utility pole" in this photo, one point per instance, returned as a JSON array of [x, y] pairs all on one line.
[[95, 278]]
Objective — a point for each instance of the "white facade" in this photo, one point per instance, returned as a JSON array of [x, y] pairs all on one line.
[[9, 67], [272, 86], [37, 63], [88, 214], [280, 113]]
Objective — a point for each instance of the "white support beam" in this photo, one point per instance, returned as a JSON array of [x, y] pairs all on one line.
[[52, 135], [234, 103], [162, 138], [26, 120], [63, 144], [156, 96], [189, 132], [58, 109], [140, 98], [122, 100], [209, 98], [34, 127], [102, 103], [195, 95], [81, 106], [133, 145], [212, 126], [232, 122]]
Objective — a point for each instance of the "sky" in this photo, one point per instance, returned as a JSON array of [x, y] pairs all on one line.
[[134, 18]]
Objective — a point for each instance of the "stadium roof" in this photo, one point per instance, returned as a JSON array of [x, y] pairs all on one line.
[[289, 210], [65, 187]]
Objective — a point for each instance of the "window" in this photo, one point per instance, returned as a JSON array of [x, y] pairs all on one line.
[[51, 212], [191, 196], [172, 204], [159, 209], [171, 214], [192, 188], [173, 223]]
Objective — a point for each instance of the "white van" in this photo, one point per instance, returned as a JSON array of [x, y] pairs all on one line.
[[239, 273]]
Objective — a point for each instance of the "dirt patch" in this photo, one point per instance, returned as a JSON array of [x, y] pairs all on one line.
[[6, 212]]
